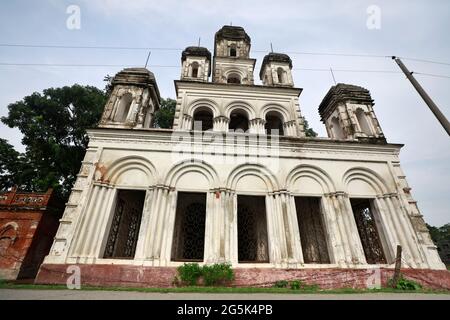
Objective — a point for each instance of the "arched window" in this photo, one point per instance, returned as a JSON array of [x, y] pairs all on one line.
[[338, 133], [362, 120], [123, 108], [194, 73], [274, 123], [281, 75], [233, 52], [234, 78], [238, 121], [203, 118]]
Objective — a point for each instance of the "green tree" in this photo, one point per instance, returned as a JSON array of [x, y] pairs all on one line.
[[164, 116], [54, 126], [309, 131], [439, 234]]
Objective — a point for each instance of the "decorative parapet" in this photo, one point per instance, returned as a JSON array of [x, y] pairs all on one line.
[[14, 199]]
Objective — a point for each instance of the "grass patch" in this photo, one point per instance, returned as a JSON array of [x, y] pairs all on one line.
[[243, 290]]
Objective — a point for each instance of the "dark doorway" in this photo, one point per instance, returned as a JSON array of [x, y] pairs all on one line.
[[124, 231], [252, 229], [274, 124], [311, 227], [205, 117], [189, 233], [368, 232], [238, 122]]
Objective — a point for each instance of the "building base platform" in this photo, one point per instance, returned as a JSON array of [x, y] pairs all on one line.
[[325, 278]]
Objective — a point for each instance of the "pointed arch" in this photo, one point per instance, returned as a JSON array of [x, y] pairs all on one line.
[[255, 170]]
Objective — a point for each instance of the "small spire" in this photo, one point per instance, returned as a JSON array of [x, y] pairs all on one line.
[[199, 41], [271, 47]]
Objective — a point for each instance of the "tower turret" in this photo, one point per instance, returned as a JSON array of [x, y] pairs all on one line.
[[231, 56], [347, 112], [196, 64], [276, 70], [133, 100]]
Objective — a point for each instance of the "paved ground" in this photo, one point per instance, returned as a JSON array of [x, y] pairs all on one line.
[[21, 294]]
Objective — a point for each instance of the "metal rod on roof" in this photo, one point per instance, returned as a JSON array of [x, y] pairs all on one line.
[[332, 74], [148, 57]]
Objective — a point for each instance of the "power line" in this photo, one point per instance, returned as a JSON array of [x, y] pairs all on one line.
[[432, 75], [23, 45], [176, 66], [20, 45], [80, 65], [426, 61]]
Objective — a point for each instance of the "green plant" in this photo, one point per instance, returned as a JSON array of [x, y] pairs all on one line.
[[281, 284], [189, 273], [295, 284], [300, 285], [405, 284], [217, 274]]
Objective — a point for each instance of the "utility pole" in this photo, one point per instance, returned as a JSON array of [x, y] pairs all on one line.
[[433, 107]]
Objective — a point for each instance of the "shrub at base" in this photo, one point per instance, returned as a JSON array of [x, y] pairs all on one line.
[[189, 273], [217, 274], [210, 275]]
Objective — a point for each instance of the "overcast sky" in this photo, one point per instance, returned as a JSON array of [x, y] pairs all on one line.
[[415, 29]]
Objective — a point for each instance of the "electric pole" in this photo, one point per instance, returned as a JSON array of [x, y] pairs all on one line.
[[433, 107]]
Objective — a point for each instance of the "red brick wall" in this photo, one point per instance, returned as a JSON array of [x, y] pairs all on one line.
[[13, 251], [23, 250], [326, 278]]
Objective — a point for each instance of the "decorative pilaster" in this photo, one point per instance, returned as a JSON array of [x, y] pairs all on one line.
[[354, 252], [290, 128], [336, 236], [187, 122], [158, 224], [221, 124], [257, 126]]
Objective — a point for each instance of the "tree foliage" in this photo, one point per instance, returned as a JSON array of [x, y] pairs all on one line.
[[309, 132], [439, 234], [54, 126], [164, 116]]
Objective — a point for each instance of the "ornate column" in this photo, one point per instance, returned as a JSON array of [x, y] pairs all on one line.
[[221, 124], [257, 126], [275, 234], [187, 122], [292, 233], [144, 230], [230, 229], [405, 235], [157, 224], [336, 231], [289, 128], [89, 236], [388, 228], [349, 231]]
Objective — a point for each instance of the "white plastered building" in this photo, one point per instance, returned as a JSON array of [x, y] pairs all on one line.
[[236, 180]]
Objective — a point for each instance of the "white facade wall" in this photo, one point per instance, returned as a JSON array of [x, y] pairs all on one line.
[[145, 160]]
